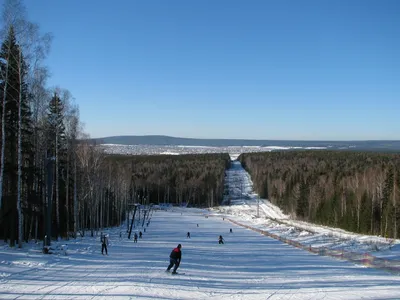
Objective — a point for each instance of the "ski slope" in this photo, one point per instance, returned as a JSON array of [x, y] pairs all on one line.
[[243, 205], [247, 266], [241, 193]]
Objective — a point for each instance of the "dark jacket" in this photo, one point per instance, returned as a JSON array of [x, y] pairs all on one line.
[[176, 254]]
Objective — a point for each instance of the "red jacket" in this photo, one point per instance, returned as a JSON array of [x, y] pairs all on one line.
[[176, 254]]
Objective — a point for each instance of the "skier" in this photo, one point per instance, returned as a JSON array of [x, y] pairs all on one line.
[[135, 238], [220, 240], [175, 259], [104, 243], [188, 235], [140, 234], [230, 230]]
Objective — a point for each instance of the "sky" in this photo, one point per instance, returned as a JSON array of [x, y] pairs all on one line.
[[309, 70]]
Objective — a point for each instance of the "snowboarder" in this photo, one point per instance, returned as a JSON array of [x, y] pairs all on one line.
[[140, 234], [188, 235], [220, 240], [135, 238], [104, 243], [175, 259]]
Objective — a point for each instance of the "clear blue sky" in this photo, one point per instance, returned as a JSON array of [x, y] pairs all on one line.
[[304, 70]]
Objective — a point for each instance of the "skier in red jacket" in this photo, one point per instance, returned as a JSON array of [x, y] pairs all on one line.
[[175, 258]]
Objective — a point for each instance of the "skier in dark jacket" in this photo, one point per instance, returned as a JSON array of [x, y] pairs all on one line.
[[104, 243], [220, 240], [175, 258]]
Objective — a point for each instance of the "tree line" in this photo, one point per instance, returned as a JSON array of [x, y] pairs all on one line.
[[42, 164], [195, 179], [356, 191]]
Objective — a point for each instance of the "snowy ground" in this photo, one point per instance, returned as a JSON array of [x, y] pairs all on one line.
[[249, 265]]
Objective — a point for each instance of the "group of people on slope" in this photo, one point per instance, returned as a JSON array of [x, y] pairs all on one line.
[[176, 255], [104, 239], [135, 236]]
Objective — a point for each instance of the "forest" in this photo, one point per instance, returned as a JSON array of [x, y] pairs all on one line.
[[356, 191], [195, 180]]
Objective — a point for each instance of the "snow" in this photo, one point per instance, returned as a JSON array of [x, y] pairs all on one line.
[[183, 149], [250, 265], [169, 153]]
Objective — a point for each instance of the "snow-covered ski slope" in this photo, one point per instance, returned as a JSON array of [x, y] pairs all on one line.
[[247, 266], [247, 208], [241, 194]]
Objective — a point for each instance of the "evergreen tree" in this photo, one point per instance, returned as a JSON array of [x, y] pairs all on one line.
[[56, 147], [386, 208], [14, 91], [302, 203]]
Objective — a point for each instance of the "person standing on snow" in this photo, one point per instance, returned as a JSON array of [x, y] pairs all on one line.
[[104, 243], [135, 238], [188, 235], [175, 259]]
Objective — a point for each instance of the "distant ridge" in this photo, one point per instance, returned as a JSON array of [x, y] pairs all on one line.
[[163, 140]]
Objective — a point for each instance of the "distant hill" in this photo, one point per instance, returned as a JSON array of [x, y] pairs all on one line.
[[162, 140]]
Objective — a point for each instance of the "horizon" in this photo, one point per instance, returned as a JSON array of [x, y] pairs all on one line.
[[309, 71], [277, 140]]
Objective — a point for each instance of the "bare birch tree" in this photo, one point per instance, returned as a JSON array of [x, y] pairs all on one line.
[[3, 118], [19, 185], [35, 48]]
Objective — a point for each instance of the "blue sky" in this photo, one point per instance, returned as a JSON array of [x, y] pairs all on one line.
[[304, 70]]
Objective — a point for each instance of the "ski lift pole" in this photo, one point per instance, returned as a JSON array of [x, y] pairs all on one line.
[[49, 199], [144, 217], [133, 219]]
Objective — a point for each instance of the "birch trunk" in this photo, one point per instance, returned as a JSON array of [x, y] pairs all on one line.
[[56, 179], [394, 206], [3, 130], [19, 184], [67, 196], [75, 202]]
